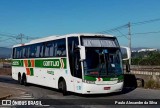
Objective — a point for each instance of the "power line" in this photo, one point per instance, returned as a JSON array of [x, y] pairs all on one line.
[[11, 34], [8, 45], [5, 39], [114, 29], [29, 37], [152, 32], [145, 22], [15, 35], [14, 41], [148, 32], [19, 36], [4, 35], [122, 34], [126, 25]]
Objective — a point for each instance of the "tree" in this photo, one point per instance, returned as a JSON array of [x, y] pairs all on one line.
[[146, 58]]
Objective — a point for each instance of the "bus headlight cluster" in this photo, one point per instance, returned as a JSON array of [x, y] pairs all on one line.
[[120, 81], [89, 82]]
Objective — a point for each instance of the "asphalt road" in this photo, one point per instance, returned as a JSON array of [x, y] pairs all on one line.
[[40, 92]]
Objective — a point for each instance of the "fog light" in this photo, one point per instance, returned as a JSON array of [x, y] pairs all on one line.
[[120, 81]]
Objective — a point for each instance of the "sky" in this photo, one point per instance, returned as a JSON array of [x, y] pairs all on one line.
[[41, 18]]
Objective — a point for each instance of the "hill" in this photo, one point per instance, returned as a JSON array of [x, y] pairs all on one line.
[[5, 52]]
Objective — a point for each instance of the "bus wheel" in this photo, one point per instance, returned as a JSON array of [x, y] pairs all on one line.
[[24, 80], [19, 79], [63, 87]]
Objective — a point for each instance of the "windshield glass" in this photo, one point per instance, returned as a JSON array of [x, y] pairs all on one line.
[[102, 62]]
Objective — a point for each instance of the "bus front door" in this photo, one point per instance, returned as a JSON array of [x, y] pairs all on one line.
[[77, 72]]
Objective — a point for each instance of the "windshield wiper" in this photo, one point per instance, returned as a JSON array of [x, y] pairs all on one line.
[[102, 68]]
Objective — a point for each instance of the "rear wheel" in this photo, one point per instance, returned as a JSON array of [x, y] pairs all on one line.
[[19, 79], [24, 80]]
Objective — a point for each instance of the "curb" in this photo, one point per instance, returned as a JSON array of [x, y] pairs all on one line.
[[4, 97]]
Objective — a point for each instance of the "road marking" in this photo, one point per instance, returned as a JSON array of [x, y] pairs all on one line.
[[25, 95], [17, 88]]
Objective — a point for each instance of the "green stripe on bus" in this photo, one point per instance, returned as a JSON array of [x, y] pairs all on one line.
[[18, 63], [90, 78], [106, 79], [113, 78], [31, 72], [44, 63], [110, 79], [29, 63]]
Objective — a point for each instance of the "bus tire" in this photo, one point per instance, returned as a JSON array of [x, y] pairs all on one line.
[[63, 87], [25, 80], [19, 79]]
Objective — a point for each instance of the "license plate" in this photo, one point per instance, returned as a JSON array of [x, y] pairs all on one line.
[[107, 88]]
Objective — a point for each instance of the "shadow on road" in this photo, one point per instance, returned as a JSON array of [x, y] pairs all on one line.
[[7, 79], [130, 84], [124, 91]]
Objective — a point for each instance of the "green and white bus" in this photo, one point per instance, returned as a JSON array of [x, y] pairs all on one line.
[[80, 63]]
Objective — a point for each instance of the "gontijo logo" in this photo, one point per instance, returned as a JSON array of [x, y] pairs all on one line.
[[55, 63], [50, 63]]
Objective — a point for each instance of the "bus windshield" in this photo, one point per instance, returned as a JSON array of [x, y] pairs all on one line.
[[102, 62]]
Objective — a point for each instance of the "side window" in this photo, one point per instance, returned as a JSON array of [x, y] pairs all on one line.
[[28, 51], [55, 49], [24, 52], [18, 52], [39, 50], [49, 49], [32, 51], [60, 48], [14, 53]]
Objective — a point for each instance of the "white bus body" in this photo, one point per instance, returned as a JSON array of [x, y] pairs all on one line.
[[56, 62]]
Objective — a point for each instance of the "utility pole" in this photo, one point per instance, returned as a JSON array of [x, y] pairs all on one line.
[[20, 37], [129, 37]]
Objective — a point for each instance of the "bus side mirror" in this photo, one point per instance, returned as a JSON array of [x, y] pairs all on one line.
[[128, 52], [128, 69], [82, 53]]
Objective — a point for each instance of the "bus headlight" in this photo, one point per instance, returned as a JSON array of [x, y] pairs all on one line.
[[89, 82], [121, 80]]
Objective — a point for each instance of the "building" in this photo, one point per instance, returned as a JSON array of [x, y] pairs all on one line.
[[144, 50]]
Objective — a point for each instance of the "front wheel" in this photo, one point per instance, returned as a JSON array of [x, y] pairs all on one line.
[[63, 87]]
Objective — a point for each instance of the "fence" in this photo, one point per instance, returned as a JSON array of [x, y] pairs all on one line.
[[5, 65], [145, 70]]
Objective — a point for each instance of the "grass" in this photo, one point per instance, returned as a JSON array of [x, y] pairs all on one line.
[[152, 84]]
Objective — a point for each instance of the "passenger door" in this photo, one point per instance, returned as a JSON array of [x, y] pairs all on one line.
[[75, 64]]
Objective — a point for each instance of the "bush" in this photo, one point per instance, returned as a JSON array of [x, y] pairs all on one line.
[[146, 58], [152, 84]]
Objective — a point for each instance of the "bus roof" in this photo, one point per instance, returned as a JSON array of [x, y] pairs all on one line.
[[54, 37]]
